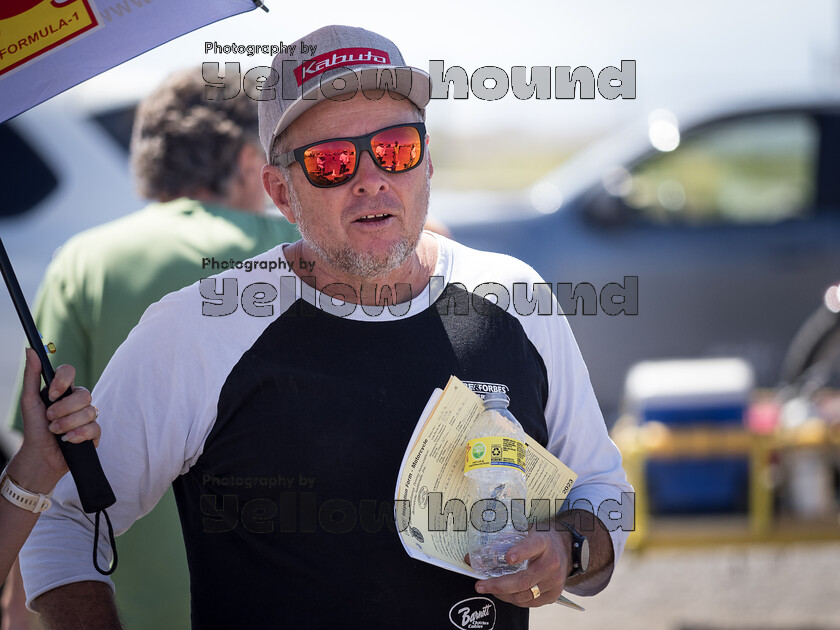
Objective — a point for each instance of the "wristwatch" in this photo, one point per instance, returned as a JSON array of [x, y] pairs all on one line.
[[580, 550], [29, 501]]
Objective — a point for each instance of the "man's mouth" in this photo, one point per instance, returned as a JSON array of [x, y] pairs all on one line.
[[373, 218]]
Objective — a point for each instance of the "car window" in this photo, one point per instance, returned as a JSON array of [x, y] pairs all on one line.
[[25, 178], [117, 123], [760, 169]]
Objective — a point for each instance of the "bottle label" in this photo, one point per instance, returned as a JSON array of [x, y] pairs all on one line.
[[495, 451]]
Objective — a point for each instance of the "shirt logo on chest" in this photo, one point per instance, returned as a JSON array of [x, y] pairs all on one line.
[[485, 388], [477, 613]]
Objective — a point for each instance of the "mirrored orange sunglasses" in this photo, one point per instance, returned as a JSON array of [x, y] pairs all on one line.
[[329, 163]]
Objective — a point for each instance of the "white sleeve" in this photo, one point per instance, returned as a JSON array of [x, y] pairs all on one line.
[[154, 418], [578, 436]]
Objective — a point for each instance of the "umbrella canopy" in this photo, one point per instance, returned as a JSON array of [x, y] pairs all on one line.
[[48, 46]]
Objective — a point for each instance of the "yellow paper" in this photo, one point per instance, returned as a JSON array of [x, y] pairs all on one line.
[[431, 483]]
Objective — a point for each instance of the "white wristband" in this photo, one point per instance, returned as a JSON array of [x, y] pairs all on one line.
[[30, 501]]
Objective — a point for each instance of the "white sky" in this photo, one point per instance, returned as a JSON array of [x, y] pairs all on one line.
[[688, 55]]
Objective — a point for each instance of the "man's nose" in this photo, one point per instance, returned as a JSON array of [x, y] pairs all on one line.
[[370, 179]]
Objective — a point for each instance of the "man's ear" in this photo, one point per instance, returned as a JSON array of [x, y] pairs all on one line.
[[277, 188]]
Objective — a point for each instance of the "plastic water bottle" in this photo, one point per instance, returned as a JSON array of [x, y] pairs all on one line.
[[495, 466]]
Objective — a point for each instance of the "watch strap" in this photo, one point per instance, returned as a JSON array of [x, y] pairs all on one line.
[[578, 541], [21, 497]]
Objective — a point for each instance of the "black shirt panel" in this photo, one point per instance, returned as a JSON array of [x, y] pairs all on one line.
[[288, 513]]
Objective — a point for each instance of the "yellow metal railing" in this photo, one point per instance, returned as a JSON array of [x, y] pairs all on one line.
[[651, 441]]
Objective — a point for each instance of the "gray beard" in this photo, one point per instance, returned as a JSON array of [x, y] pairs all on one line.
[[359, 264]]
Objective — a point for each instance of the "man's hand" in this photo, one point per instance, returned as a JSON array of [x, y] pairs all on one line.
[[73, 416], [548, 555], [549, 561]]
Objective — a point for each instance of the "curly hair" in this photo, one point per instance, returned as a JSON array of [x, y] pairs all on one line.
[[182, 142]]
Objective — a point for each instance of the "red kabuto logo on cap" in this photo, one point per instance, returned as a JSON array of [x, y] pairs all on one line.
[[337, 58]]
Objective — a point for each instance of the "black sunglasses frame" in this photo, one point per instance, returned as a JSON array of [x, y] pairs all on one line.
[[362, 144]]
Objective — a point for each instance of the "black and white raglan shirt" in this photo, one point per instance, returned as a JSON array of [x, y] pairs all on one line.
[[282, 426]]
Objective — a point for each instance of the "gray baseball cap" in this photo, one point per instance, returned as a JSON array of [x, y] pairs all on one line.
[[344, 59]]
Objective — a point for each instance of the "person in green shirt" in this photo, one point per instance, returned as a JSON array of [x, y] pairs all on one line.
[[200, 161]]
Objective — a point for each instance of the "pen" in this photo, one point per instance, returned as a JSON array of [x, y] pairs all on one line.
[[565, 601]]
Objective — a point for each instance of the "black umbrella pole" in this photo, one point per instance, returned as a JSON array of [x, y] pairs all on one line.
[[94, 490]]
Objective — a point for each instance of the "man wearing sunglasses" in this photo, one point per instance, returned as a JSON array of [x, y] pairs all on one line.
[[279, 402]]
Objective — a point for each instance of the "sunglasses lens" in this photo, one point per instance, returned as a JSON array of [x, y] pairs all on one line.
[[330, 163], [397, 149], [333, 162]]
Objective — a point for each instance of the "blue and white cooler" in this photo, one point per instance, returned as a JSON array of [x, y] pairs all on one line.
[[698, 393]]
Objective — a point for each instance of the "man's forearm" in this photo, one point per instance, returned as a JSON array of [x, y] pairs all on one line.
[[78, 606]]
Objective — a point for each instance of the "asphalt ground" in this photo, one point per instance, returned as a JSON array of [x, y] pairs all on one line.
[[779, 587]]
